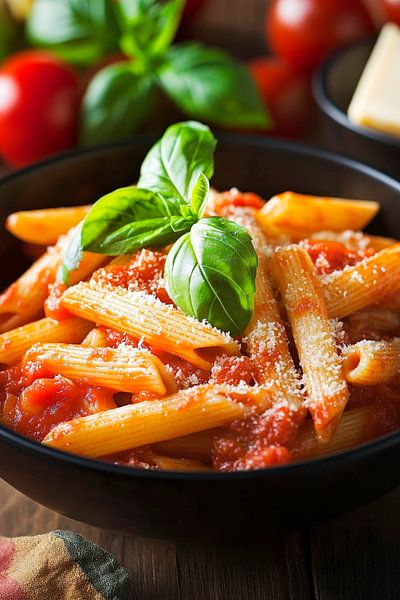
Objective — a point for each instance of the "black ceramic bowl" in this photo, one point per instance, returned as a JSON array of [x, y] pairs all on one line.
[[199, 506], [334, 85]]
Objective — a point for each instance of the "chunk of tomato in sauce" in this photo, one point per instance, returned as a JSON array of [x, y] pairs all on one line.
[[222, 204], [144, 273], [329, 256], [257, 441], [47, 402]]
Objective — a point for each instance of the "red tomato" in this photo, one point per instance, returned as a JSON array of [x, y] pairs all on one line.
[[39, 99], [286, 94], [391, 9], [305, 31]]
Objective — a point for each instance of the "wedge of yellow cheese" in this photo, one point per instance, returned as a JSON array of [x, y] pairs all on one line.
[[376, 101]]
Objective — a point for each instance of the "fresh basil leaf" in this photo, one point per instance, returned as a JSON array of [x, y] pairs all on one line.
[[131, 218], [173, 165], [210, 274], [115, 103], [79, 31], [200, 193], [208, 84], [149, 26], [72, 256]]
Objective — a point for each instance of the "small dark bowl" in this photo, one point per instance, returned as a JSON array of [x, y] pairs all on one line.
[[334, 85], [210, 506]]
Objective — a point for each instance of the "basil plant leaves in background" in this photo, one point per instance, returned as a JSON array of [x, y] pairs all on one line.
[[78, 31], [204, 83], [211, 268]]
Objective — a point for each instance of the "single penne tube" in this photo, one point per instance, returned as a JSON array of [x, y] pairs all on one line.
[[371, 362], [123, 369], [23, 300], [354, 288], [184, 465], [144, 423], [350, 432], [14, 343], [267, 343], [378, 242], [45, 226], [372, 318], [299, 215], [195, 446], [96, 338], [143, 316], [326, 386]]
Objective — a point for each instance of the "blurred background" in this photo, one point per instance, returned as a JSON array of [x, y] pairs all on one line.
[[83, 72]]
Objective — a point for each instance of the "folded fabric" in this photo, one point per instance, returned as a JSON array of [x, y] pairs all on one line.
[[60, 565]]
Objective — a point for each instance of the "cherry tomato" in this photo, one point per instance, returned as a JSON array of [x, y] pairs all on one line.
[[391, 9], [39, 99], [286, 93], [305, 31]]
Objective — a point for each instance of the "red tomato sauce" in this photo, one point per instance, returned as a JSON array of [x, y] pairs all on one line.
[[232, 370], [383, 418], [34, 409], [329, 256], [257, 442], [143, 273]]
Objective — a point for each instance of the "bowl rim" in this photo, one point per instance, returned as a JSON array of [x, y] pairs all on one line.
[[331, 109], [291, 469]]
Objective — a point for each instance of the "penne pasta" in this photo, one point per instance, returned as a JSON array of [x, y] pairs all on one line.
[[372, 362], [350, 432], [354, 288], [267, 343], [144, 423], [159, 324], [195, 446], [23, 300], [184, 465], [14, 343], [123, 370], [45, 226], [301, 293], [299, 215]]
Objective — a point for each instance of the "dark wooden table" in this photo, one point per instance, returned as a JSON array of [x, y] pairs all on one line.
[[356, 557]]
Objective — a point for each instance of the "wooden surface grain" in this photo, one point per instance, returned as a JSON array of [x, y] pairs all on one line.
[[355, 557]]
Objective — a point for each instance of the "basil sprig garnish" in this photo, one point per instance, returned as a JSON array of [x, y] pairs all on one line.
[[204, 83], [211, 268]]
